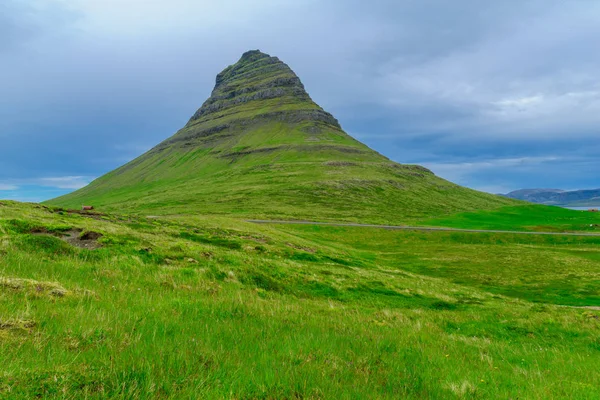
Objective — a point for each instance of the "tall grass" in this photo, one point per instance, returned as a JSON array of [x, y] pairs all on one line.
[[293, 312]]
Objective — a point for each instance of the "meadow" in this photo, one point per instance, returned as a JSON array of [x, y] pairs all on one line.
[[210, 307], [522, 217]]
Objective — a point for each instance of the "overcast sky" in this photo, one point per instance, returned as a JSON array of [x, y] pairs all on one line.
[[494, 95]]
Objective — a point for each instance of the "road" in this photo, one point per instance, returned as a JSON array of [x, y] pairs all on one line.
[[418, 228]]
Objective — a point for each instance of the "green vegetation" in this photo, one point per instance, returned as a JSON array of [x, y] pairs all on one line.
[[207, 307], [260, 147], [561, 270], [174, 296], [524, 217]]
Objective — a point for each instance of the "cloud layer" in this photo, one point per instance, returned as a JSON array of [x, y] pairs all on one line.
[[493, 95]]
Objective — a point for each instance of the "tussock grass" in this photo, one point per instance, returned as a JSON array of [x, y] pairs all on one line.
[[17, 324], [316, 313], [51, 288]]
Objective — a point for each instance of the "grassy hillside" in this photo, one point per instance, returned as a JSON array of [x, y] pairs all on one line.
[[118, 306], [260, 147]]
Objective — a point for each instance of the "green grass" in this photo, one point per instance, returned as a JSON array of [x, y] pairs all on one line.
[[522, 218], [209, 307], [193, 302], [560, 270]]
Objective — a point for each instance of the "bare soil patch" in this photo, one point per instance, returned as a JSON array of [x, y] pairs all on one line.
[[85, 240], [75, 237]]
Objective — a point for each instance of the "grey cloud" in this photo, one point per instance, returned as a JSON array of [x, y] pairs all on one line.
[[420, 80], [24, 21], [14, 26]]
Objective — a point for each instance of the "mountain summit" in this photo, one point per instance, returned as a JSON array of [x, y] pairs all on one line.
[[257, 89], [261, 147], [257, 76]]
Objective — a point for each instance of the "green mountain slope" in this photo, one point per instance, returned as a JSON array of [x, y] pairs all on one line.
[[260, 147]]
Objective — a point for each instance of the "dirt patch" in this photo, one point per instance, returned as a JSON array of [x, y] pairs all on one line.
[[90, 236], [75, 237], [83, 240]]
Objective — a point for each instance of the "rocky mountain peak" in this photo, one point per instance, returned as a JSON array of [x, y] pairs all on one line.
[[253, 55], [258, 81], [253, 65]]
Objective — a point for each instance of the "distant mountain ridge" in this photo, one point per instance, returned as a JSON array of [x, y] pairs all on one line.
[[583, 198]]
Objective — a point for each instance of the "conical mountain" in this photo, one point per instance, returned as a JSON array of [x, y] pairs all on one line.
[[261, 147]]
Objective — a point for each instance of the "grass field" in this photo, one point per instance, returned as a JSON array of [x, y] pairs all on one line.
[[561, 270], [177, 297], [522, 217], [207, 307]]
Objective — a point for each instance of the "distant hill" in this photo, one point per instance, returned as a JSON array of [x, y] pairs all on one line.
[[261, 147], [573, 198]]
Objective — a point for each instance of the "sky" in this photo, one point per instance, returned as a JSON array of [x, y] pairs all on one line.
[[496, 96]]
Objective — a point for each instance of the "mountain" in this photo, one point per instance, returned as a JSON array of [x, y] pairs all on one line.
[[558, 197], [533, 195], [261, 147]]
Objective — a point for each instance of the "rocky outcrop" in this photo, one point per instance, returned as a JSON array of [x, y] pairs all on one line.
[[257, 90], [291, 117], [257, 78], [298, 116]]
